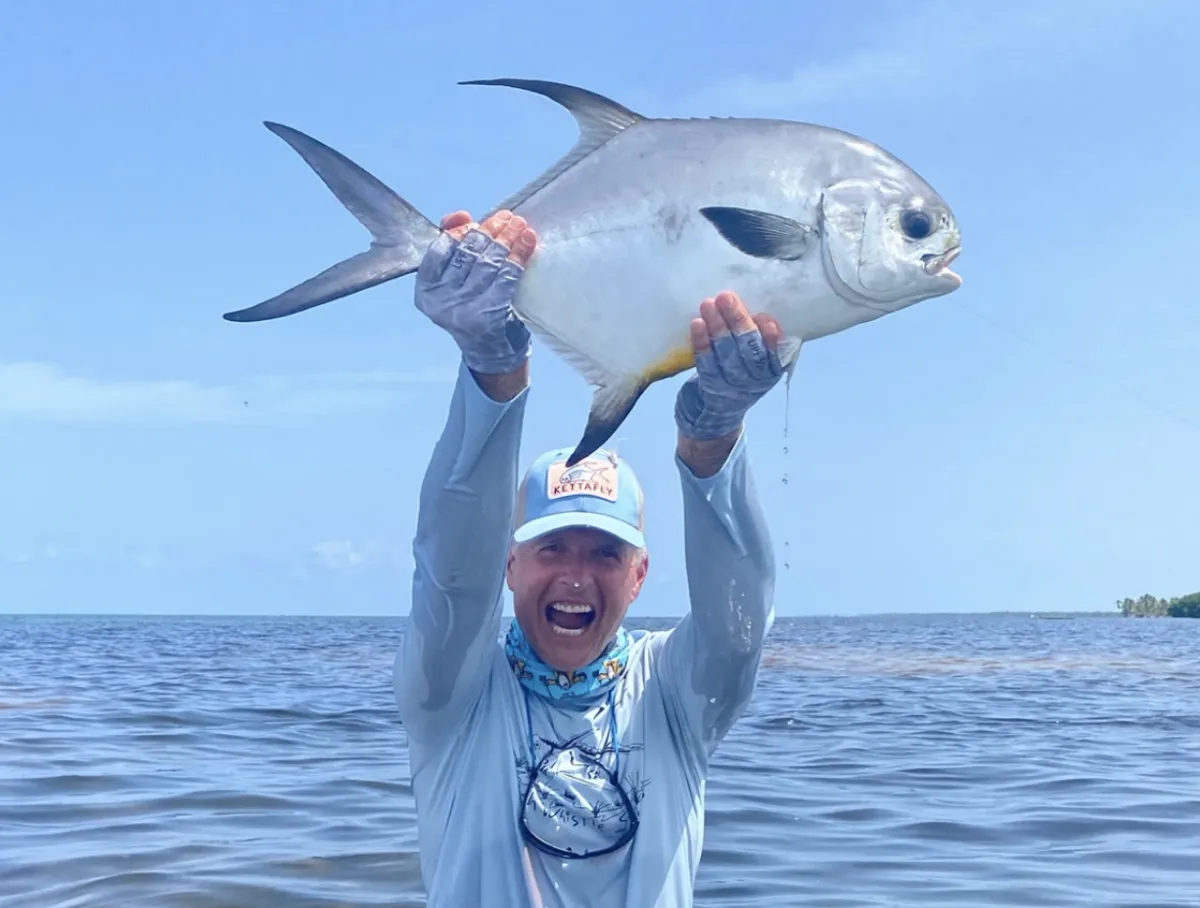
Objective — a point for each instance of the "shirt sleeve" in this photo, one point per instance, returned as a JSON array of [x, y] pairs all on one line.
[[460, 551], [709, 662]]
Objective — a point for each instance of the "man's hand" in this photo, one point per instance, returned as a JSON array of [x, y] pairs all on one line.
[[737, 363], [465, 284]]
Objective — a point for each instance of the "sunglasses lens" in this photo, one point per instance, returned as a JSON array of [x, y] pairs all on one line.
[[575, 808]]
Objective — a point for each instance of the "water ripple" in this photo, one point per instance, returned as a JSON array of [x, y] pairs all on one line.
[[941, 761]]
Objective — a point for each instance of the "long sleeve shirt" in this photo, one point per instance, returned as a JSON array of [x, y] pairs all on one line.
[[475, 735]]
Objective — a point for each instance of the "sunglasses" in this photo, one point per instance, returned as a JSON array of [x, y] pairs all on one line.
[[574, 806]]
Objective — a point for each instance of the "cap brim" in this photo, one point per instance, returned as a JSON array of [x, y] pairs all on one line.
[[611, 525]]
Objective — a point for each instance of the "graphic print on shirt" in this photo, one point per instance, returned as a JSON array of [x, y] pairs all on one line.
[[575, 804]]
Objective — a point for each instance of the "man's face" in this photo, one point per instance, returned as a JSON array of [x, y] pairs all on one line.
[[571, 589]]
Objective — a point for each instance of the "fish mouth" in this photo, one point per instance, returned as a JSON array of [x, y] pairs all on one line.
[[939, 265]]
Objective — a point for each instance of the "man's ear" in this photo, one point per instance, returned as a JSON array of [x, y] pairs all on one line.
[[508, 571], [643, 569]]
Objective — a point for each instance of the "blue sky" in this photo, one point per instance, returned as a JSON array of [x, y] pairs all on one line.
[[1029, 442]]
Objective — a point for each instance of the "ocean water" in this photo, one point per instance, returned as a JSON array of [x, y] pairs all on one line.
[[890, 761]]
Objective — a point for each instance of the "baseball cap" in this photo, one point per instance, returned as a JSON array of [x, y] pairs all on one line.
[[601, 492]]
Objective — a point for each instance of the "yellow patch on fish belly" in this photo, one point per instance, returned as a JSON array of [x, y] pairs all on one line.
[[679, 359]]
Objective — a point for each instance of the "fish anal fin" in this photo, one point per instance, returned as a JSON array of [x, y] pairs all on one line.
[[677, 360], [611, 404], [612, 399], [761, 233], [616, 395], [599, 119]]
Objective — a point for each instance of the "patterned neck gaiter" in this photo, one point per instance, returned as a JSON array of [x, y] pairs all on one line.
[[538, 677]]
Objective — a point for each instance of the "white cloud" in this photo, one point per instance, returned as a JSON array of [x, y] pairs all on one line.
[[46, 392], [28, 555], [338, 555], [930, 50], [344, 555]]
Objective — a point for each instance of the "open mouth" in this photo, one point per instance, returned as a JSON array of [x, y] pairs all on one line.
[[570, 619], [939, 265]]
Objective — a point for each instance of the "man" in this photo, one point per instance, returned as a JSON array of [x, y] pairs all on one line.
[[566, 766]]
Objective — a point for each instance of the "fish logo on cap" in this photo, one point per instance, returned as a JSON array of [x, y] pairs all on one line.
[[592, 476], [600, 492]]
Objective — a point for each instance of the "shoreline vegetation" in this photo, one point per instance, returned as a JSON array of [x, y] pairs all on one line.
[[1152, 607]]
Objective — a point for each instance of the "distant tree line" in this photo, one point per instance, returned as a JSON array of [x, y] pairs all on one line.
[[1153, 607]]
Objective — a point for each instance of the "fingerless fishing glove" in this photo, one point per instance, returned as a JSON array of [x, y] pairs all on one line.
[[467, 288], [730, 378]]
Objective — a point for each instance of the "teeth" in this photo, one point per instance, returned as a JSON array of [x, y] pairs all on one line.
[[940, 264], [575, 608], [571, 608]]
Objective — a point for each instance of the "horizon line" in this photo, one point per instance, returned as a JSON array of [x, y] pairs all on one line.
[[1034, 612]]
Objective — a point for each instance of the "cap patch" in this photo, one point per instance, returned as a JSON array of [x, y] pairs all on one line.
[[592, 476]]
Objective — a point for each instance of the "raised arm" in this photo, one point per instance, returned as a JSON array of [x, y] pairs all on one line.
[[464, 521], [711, 659]]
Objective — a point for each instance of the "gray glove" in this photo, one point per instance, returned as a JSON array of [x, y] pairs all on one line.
[[730, 378], [467, 288]]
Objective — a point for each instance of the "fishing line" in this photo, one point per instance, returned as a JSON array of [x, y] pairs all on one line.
[[787, 406], [1057, 357], [1087, 370]]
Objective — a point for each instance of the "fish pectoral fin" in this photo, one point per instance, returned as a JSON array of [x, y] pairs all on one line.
[[789, 351], [760, 233], [599, 119], [611, 404]]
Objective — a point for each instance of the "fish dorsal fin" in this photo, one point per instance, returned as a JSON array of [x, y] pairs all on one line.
[[599, 119]]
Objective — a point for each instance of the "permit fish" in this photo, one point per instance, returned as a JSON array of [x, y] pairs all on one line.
[[645, 217]]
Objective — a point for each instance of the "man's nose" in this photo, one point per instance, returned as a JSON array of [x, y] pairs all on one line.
[[575, 574]]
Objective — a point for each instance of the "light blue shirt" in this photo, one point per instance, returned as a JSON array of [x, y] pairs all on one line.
[[467, 718]]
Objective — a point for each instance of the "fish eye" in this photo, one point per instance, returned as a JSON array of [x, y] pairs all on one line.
[[916, 224]]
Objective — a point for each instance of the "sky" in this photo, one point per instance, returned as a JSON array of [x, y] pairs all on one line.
[[1029, 442]]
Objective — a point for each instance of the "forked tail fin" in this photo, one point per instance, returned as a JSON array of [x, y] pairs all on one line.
[[399, 233]]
